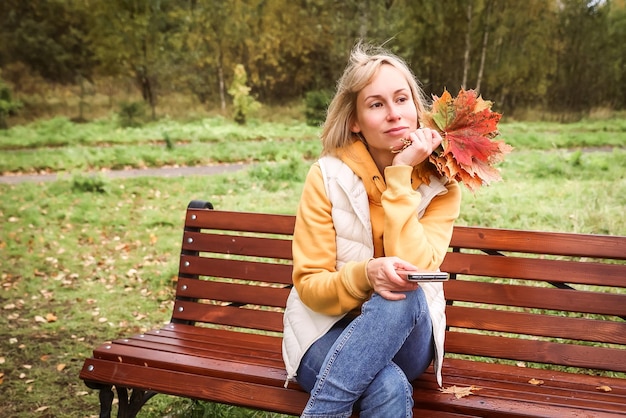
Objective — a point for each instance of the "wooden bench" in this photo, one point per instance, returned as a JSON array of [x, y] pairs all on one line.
[[520, 303]]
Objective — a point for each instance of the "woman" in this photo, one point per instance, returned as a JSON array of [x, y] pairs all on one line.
[[357, 332]]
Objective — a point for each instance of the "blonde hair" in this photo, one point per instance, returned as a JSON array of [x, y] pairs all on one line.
[[364, 62]]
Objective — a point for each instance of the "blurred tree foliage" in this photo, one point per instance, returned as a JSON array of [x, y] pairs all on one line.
[[565, 55]]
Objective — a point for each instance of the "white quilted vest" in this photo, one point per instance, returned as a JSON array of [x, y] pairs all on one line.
[[351, 219]]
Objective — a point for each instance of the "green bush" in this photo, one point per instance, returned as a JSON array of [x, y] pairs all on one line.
[[8, 106], [243, 103], [90, 184], [316, 103], [131, 114]]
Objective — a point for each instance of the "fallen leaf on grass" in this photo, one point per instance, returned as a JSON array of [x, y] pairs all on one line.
[[60, 367], [460, 392], [536, 382], [604, 388], [41, 408]]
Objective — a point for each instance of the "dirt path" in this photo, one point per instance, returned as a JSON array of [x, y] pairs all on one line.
[[145, 172]]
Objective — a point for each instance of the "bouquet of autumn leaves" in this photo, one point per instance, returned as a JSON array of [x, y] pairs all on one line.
[[468, 126]]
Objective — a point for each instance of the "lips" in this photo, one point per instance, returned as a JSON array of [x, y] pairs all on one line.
[[399, 130]]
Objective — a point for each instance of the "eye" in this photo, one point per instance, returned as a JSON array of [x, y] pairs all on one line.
[[402, 99], [376, 105]]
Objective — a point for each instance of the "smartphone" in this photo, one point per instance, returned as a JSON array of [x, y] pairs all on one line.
[[425, 276]]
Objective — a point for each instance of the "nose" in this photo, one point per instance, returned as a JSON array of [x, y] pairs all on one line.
[[394, 113]]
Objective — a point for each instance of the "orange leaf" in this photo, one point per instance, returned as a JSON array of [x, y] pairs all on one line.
[[604, 388], [536, 382]]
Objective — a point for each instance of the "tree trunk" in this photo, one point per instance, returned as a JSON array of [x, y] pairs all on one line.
[[222, 84], [468, 44], [483, 52]]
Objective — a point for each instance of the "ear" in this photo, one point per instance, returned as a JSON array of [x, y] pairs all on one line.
[[355, 127]]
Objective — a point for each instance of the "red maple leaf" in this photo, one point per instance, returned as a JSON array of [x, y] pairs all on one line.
[[468, 152]]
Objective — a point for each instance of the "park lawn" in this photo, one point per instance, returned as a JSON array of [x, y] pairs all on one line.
[[86, 259]]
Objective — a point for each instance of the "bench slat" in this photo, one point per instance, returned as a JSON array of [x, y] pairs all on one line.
[[537, 324], [236, 269], [536, 297], [228, 367], [239, 245], [552, 378], [228, 315], [536, 351], [227, 337], [203, 348], [232, 292], [240, 221], [557, 271], [555, 243], [198, 386]]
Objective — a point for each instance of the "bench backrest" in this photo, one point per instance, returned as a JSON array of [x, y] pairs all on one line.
[[552, 298]]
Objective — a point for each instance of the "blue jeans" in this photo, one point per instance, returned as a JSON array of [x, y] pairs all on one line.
[[368, 362]]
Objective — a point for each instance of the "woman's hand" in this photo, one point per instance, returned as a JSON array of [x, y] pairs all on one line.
[[382, 275], [423, 142]]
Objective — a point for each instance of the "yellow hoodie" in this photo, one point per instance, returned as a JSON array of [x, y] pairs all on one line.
[[396, 231]]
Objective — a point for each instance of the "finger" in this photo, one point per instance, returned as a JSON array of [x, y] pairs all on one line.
[[389, 295]]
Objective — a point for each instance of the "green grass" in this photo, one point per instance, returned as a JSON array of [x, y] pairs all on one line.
[[86, 259]]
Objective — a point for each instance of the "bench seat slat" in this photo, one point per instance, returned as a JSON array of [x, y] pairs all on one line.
[[601, 358], [228, 315], [503, 386], [510, 373], [222, 364], [205, 334], [239, 245], [198, 386], [236, 269], [557, 271], [537, 324], [232, 292], [201, 348], [536, 297], [506, 399], [538, 242]]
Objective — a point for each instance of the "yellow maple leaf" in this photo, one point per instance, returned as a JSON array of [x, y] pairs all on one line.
[[460, 392]]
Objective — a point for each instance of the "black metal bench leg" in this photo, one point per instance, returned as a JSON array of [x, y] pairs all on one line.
[[137, 400], [129, 408], [106, 401]]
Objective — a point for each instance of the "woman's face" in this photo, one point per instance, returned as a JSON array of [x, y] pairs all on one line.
[[385, 111]]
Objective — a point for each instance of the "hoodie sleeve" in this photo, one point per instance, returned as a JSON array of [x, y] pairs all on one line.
[[320, 286], [422, 242]]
